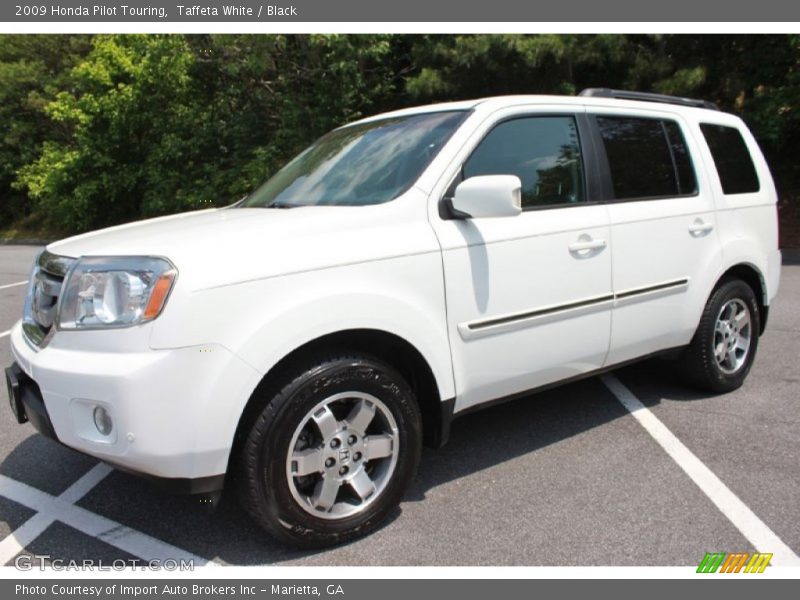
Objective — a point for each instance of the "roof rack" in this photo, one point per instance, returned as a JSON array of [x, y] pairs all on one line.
[[647, 97]]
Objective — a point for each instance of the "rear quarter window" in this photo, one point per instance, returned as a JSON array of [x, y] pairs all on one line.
[[737, 174]]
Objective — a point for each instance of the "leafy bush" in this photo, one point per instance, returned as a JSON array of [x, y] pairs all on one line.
[[112, 128]]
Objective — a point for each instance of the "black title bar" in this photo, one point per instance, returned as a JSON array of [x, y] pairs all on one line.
[[255, 11]]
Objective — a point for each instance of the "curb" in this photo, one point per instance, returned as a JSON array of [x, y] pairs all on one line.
[[23, 242], [791, 256]]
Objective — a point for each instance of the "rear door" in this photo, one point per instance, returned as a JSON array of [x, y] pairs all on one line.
[[665, 249]]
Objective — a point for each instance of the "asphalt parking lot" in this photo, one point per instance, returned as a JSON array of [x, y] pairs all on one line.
[[565, 477]]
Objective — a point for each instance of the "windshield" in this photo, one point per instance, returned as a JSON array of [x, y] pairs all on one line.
[[361, 164]]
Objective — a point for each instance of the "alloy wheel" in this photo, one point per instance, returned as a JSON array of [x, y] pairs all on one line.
[[342, 455]]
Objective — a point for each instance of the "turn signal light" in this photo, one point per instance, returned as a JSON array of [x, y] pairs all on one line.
[[159, 295]]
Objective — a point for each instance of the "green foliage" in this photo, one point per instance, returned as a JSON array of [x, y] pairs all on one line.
[[755, 76], [160, 124], [111, 128], [32, 69]]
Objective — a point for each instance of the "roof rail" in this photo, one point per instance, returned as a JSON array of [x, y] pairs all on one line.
[[647, 97]]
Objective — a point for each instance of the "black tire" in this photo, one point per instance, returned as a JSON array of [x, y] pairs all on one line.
[[698, 362], [264, 488]]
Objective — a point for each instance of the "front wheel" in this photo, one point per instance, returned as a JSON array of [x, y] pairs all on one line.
[[332, 452], [724, 346]]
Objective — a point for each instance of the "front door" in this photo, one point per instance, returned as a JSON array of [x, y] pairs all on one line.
[[528, 297]]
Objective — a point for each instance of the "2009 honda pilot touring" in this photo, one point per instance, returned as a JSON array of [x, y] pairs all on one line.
[[305, 342]]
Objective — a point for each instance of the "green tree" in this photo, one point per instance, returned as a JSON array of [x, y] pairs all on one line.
[[159, 124], [130, 100], [468, 66], [32, 69], [267, 97], [98, 131], [754, 76]]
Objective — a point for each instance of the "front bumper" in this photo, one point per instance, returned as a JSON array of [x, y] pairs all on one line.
[[174, 412]]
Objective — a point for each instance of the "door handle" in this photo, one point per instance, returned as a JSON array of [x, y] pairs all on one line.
[[584, 245], [699, 227]]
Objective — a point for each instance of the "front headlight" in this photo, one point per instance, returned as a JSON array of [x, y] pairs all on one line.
[[120, 291]]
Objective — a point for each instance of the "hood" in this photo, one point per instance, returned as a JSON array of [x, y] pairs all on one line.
[[218, 247]]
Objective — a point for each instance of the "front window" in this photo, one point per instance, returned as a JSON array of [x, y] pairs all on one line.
[[362, 164], [543, 151]]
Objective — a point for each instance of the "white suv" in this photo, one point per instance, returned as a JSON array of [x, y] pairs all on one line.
[[304, 342]]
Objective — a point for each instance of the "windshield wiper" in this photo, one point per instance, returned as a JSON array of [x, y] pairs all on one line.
[[239, 202], [279, 204]]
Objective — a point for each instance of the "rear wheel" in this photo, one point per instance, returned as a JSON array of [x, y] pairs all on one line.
[[724, 346], [332, 452]]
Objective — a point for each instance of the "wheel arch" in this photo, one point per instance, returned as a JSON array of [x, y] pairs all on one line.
[[388, 347], [752, 276]]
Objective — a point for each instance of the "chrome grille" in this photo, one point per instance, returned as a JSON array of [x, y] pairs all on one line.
[[44, 289]]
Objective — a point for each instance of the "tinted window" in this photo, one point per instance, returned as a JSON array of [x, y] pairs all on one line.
[[647, 158], [684, 171], [543, 152], [732, 159]]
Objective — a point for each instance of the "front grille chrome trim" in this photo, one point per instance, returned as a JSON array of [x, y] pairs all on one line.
[[54, 264], [46, 284]]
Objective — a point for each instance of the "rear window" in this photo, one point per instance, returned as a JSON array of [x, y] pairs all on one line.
[[732, 159], [647, 158]]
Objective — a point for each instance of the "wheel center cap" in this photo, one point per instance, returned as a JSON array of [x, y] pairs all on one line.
[[344, 455]]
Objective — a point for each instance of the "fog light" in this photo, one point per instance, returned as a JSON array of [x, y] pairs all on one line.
[[102, 420]]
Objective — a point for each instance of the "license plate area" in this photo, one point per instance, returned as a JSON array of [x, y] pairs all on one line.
[[15, 395]]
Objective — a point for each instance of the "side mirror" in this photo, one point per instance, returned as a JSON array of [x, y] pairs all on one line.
[[487, 196]]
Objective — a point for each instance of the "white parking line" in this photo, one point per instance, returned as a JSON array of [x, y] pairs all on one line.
[[10, 285], [84, 485], [35, 526], [4, 334], [17, 541], [737, 512], [62, 508]]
